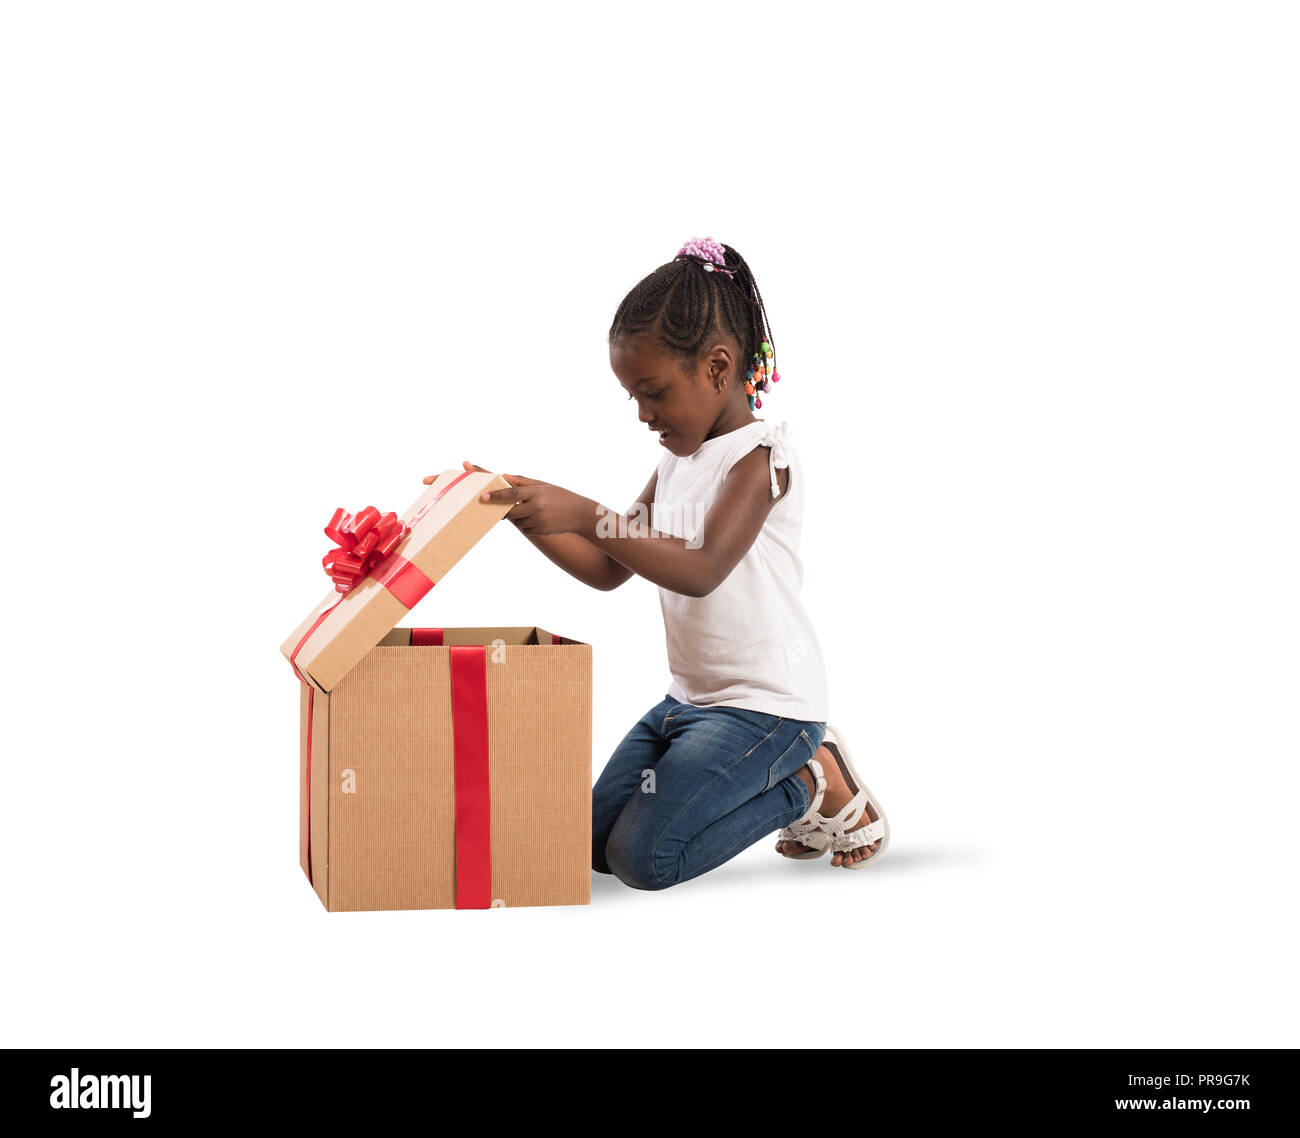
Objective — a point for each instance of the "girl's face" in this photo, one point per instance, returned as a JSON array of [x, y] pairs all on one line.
[[684, 409]]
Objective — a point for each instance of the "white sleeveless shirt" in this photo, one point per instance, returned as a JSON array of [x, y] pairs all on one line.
[[749, 643]]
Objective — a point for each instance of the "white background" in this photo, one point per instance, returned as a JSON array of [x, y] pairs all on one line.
[[1032, 273]]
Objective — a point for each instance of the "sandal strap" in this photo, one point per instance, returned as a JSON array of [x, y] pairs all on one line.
[[819, 788], [811, 817], [855, 839], [814, 841], [803, 826], [806, 832], [849, 817]]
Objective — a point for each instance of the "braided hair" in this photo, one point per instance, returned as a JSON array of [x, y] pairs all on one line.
[[707, 289]]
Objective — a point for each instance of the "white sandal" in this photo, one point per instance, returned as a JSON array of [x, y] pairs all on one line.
[[840, 835], [807, 831]]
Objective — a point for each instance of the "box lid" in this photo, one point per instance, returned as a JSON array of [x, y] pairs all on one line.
[[446, 521]]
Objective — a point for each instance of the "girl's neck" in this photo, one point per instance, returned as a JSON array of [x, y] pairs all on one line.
[[731, 420]]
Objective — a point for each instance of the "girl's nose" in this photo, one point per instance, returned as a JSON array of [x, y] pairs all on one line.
[[643, 413]]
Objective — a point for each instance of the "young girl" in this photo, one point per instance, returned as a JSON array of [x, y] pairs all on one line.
[[739, 746]]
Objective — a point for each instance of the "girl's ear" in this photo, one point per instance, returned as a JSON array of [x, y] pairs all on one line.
[[719, 364]]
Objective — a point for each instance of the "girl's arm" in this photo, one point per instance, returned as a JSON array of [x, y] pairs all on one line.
[[579, 558], [730, 527]]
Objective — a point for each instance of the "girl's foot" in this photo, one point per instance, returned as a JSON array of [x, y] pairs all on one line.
[[836, 798]]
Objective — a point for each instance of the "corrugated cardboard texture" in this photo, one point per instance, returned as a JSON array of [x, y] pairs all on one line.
[[391, 806], [439, 538], [302, 777], [319, 790], [539, 709]]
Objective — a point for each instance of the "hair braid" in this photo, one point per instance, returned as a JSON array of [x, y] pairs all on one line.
[[683, 305]]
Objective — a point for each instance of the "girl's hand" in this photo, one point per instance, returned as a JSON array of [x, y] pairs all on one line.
[[540, 507]]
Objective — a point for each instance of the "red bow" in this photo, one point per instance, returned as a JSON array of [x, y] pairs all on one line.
[[363, 541]]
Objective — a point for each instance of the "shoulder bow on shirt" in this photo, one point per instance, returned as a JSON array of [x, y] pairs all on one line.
[[776, 436]]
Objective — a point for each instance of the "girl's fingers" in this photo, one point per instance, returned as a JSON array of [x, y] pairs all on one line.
[[513, 479], [506, 495]]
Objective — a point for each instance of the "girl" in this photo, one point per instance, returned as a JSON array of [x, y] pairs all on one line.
[[739, 746]]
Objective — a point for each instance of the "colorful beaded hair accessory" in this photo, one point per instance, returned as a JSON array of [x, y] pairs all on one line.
[[761, 374], [711, 255]]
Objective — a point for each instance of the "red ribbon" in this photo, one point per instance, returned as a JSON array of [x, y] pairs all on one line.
[[405, 581], [363, 541], [469, 720]]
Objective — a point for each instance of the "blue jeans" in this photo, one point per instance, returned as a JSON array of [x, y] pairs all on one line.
[[690, 787]]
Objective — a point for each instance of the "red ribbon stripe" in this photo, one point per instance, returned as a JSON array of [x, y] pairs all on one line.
[[473, 792]]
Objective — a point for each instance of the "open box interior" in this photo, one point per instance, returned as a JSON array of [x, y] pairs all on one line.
[[519, 635]]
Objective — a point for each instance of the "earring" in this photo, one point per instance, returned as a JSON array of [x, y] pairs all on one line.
[[720, 386]]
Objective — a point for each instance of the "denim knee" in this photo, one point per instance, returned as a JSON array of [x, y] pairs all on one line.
[[632, 865]]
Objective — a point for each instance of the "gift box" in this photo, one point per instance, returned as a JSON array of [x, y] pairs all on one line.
[[439, 767]]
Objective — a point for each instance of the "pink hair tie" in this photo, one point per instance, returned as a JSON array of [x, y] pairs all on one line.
[[707, 250]]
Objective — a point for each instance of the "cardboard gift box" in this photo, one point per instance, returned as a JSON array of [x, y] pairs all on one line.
[[440, 767]]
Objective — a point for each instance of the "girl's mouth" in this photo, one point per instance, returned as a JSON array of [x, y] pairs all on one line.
[[664, 434]]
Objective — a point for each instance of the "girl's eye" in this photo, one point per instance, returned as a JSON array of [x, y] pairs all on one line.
[[656, 394]]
